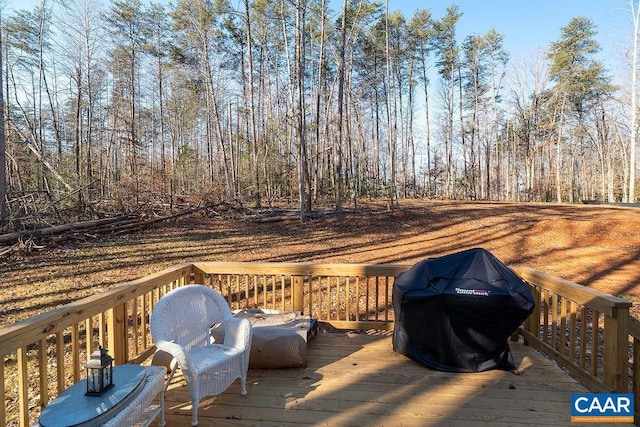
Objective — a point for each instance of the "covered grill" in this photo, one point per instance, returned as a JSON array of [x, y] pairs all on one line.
[[455, 313]]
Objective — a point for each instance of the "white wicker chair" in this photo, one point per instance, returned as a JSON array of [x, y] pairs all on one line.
[[181, 325]]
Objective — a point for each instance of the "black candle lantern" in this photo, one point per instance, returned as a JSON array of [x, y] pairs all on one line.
[[99, 373]]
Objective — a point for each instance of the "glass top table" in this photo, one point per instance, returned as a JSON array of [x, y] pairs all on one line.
[[73, 408]]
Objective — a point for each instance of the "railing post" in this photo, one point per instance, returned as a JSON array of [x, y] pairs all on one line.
[[616, 350], [198, 277], [297, 293], [532, 324], [117, 335]]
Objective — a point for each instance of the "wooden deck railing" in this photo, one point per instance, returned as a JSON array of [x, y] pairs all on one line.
[[585, 331], [44, 355], [348, 296]]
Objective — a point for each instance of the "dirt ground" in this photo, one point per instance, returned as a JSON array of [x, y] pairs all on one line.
[[595, 246]]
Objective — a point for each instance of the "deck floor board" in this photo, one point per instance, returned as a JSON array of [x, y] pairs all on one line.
[[358, 380]]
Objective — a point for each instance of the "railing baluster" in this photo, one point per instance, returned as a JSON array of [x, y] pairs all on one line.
[[573, 325], [377, 307], [347, 300], [635, 377], [583, 337], [229, 289], [3, 404], [135, 326], [102, 325], [338, 300], [563, 326], [341, 296], [545, 323], [60, 369], [273, 291], [554, 321], [88, 326], [143, 320], [595, 341], [386, 299], [75, 352], [264, 290], [42, 372], [23, 383], [366, 314], [328, 305], [246, 292], [310, 301], [357, 300], [319, 311]]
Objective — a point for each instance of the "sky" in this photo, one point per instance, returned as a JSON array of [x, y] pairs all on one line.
[[531, 25], [527, 25]]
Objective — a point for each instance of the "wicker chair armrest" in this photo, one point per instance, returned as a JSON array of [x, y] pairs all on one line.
[[177, 351], [238, 333]]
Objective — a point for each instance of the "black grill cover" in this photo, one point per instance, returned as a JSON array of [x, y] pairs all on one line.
[[455, 313]]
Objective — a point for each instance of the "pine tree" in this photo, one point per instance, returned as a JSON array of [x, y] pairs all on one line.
[[580, 79]]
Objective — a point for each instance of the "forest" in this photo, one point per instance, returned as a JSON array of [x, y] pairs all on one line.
[[134, 106]]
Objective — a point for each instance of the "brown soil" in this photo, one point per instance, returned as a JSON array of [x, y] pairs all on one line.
[[596, 246]]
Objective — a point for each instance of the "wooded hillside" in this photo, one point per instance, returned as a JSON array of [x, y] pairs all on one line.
[[123, 106]]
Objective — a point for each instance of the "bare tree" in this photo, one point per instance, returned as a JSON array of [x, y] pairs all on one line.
[[198, 21], [447, 49], [528, 84], [3, 145], [251, 99], [303, 168], [278, 100], [391, 118], [341, 83], [158, 45], [579, 79], [633, 117]]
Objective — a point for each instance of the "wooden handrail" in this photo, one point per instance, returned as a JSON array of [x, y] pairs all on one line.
[[567, 307], [595, 299], [32, 330], [300, 269]]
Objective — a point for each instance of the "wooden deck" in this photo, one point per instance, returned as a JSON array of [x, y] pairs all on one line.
[[357, 380]]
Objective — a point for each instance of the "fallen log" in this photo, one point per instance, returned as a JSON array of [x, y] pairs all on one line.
[[276, 218], [59, 229], [115, 225]]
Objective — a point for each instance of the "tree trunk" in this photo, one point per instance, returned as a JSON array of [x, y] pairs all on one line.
[[252, 112], [77, 138], [300, 117], [559, 151], [391, 123], [634, 97], [427, 126], [339, 142], [3, 168]]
